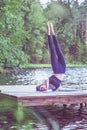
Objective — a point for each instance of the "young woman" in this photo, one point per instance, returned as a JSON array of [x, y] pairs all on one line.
[[57, 61]]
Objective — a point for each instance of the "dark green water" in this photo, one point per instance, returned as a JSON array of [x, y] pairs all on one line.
[[46, 117]]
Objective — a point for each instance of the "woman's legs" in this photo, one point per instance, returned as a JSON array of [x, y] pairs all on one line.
[[57, 57], [54, 59], [61, 59]]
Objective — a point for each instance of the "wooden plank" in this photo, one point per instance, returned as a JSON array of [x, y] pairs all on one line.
[[52, 100], [27, 96]]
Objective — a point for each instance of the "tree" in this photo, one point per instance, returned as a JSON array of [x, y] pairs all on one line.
[[61, 17], [65, 14], [35, 26], [83, 20], [12, 33]]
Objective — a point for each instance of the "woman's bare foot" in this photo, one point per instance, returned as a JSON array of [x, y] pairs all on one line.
[[51, 29], [48, 28]]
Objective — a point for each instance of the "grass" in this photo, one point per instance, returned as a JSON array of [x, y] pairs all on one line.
[[77, 65], [49, 65], [36, 66]]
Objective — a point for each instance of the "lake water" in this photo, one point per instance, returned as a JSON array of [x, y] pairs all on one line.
[[47, 117]]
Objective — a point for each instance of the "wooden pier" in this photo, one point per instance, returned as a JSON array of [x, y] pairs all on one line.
[[28, 96]]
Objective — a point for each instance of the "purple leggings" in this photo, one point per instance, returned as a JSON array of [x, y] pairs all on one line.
[[57, 57]]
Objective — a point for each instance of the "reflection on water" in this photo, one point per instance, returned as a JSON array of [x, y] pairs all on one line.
[[71, 118], [48, 117]]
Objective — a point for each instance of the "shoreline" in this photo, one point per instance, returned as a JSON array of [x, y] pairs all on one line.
[[36, 66], [49, 65]]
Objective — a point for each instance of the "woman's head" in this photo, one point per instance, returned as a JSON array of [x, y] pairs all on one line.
[[41, 87]]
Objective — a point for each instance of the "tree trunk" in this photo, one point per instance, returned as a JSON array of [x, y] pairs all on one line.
[[75, 28], [86, 33]]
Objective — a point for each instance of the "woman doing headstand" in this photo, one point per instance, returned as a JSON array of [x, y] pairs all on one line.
[[57, 61]]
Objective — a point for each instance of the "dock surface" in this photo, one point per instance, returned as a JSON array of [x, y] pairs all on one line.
[[27, 95]]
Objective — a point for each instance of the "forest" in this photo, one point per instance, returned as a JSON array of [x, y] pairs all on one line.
[[23, 35]]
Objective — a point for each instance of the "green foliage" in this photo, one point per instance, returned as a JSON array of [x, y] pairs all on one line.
[[12, 34], [11, 54], [23, 32], [20, 117], [37, 15], [7, 103], [83, 8], [19, 114], [82, 55], [35, 24], [57, 10], [64, 15], [1, 70], [75, 12]]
